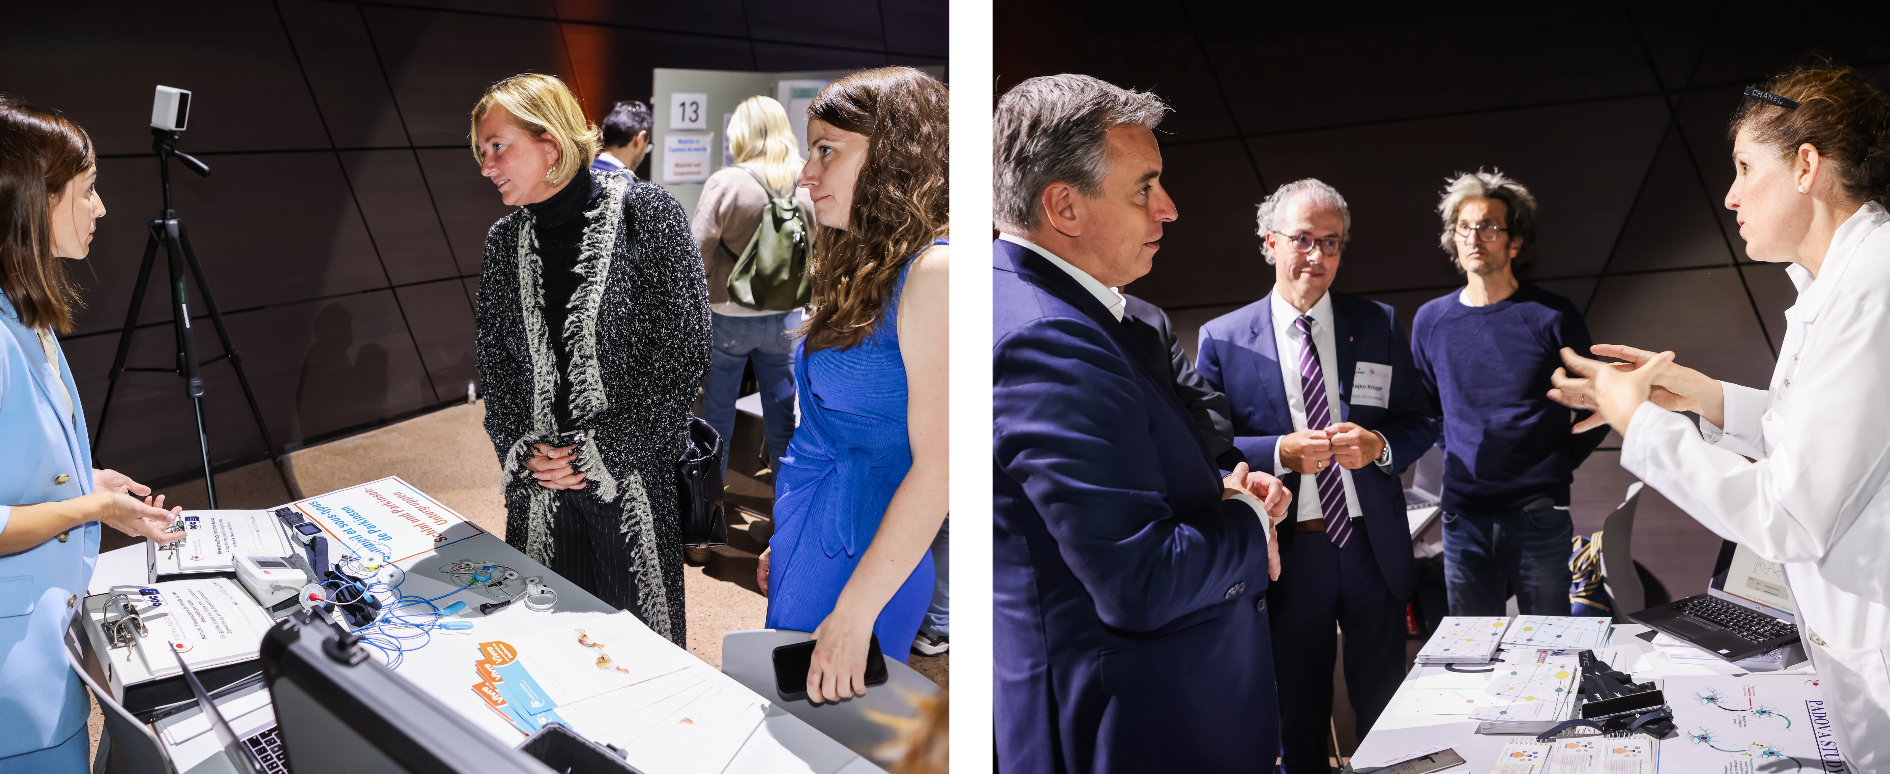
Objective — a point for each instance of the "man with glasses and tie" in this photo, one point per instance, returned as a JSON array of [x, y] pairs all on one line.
[[1323, 393], [1484, 354]]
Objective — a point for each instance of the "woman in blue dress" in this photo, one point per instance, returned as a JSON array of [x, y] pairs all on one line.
[[862, 489]]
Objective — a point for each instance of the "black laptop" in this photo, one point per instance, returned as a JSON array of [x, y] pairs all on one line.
[[1746, 611]]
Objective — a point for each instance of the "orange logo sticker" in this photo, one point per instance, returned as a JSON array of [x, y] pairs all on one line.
[[499, 653]]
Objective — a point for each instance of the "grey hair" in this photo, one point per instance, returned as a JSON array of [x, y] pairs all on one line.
[[1268, 212], [1521, 206], [1054, 129]]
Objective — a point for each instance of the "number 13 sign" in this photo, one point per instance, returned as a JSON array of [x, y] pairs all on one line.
[[688, 111]]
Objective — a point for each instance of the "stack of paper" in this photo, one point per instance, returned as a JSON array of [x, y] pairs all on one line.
[[614, 681], [211, 621], [1557, 632], [1542, 690], [1463, 640]]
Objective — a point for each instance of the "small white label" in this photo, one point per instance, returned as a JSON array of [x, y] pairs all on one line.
[[1371, 385], [688, 111]]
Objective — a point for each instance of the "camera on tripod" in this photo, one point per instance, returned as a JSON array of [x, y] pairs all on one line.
[[170, 113]]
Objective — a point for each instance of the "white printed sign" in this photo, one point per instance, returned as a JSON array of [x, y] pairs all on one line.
[[686, 157], [387, 519], [688, 111], [212, 538], [1371, 385], [795, 96]]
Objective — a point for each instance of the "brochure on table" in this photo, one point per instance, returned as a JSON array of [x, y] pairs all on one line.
[[386, 519], [210, 621], [616, 682], [213, 539]]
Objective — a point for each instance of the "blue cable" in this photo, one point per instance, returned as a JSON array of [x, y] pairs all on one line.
[[392, 645]]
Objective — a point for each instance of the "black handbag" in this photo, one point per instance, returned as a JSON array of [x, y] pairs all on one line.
[[699, 487]]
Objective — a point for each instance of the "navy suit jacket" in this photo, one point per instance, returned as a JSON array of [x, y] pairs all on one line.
[[1131, 632], [1238, 357]]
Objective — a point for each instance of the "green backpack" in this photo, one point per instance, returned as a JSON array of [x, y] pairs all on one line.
[[771, 272]]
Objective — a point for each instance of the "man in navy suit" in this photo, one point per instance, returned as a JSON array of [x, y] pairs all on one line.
[[1131, 627], [626, 138], [1323, 393]]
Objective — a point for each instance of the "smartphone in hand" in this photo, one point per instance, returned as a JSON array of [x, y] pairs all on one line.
[[792, 663]]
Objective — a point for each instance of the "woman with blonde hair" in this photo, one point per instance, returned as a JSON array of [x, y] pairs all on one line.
[[862, 490], [593, 336], [730, 212]]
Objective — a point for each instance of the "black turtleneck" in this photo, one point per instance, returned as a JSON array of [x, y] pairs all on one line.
[[559, 225]]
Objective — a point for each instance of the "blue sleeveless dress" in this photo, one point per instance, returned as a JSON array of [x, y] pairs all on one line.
[[848, 456]]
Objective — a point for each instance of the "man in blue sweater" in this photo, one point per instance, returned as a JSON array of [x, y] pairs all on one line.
[[1484, 354]]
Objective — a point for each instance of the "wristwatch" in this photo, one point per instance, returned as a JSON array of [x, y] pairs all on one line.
[[1384, 457]]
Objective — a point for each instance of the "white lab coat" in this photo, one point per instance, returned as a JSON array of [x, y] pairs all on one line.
[[1814, 499]]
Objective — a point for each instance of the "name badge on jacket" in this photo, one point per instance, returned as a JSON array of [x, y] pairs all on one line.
[[1371, 385]]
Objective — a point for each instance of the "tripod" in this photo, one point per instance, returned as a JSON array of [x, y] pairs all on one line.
[[169, 231]]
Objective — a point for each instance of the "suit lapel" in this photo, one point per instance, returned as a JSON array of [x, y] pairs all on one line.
[[1344, 331], [1040, 272], [1266, 367], [42, 372]]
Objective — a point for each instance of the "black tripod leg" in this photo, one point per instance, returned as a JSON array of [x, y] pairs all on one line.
[[124, 336], [187, 366], [229, 349]]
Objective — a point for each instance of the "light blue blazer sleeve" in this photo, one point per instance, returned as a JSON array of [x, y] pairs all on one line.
[[42, 702]]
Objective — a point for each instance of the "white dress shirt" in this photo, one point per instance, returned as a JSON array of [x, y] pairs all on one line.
[[1815, 498], [1286, 341], [1116, 305], [1110, 299]]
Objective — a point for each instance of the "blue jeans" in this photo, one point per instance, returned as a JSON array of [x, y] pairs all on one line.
[[764, 341], [938, 619], [1528, 548]]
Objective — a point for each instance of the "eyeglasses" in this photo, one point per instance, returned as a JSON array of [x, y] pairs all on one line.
[[1305, 244], [1484, 232]]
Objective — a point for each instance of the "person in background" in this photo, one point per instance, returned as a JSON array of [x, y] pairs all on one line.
[[935, 632], [1796, 472], [593, 335], [626, 138], [1484, 353], [863, 488], [55, 501], [1129, 620], [733, 202], [1323, 394], [1149, 326]]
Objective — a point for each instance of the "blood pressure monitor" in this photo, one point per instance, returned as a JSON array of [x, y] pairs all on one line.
[[270, 579]]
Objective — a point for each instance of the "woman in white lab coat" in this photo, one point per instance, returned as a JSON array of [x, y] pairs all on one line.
[[1812, 152]]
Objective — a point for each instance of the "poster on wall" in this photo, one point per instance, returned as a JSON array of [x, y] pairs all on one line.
[[686, 156], [796, 96], [688, 111]]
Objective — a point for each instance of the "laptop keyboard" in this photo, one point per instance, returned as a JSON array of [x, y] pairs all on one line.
[[1750, 625], [268, 748]]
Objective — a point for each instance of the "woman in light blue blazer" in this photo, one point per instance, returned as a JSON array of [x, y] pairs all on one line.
[[51, 499]]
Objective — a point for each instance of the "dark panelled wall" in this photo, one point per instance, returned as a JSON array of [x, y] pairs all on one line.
[[343, 224], [1613, 114]]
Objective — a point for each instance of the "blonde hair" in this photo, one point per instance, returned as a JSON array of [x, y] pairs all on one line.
[[540, 104], [759, 131]]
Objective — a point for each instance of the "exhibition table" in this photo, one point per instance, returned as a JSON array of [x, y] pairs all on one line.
[[1398, 732], [443, 668]]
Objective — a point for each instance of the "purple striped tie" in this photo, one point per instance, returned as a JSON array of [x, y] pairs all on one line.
[[1312, 382]]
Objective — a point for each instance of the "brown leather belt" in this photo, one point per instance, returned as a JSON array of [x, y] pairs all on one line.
[[1313, 525]]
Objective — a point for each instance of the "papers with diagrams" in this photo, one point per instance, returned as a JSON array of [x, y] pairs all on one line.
[[1557, 632], [1464, 640]]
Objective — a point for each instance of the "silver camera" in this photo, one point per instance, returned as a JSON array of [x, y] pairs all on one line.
[[170, 109]]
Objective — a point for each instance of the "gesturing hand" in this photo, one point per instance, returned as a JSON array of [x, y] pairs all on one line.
[[1354, 447], [1675, 388], [1615, 392], [137, 518], [1272, 494], [1307, 451], [551, 465], [114, 481]]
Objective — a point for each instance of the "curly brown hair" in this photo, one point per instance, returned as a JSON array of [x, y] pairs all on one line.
[[40, 152], [1838, 112], [899, 203]]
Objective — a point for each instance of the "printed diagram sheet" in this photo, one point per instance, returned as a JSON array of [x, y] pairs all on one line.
[[1462, 639], [1557, 632], [1734, 725], [1541, 691]]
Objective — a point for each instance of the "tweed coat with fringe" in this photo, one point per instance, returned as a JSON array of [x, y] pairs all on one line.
[[639, 336]]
